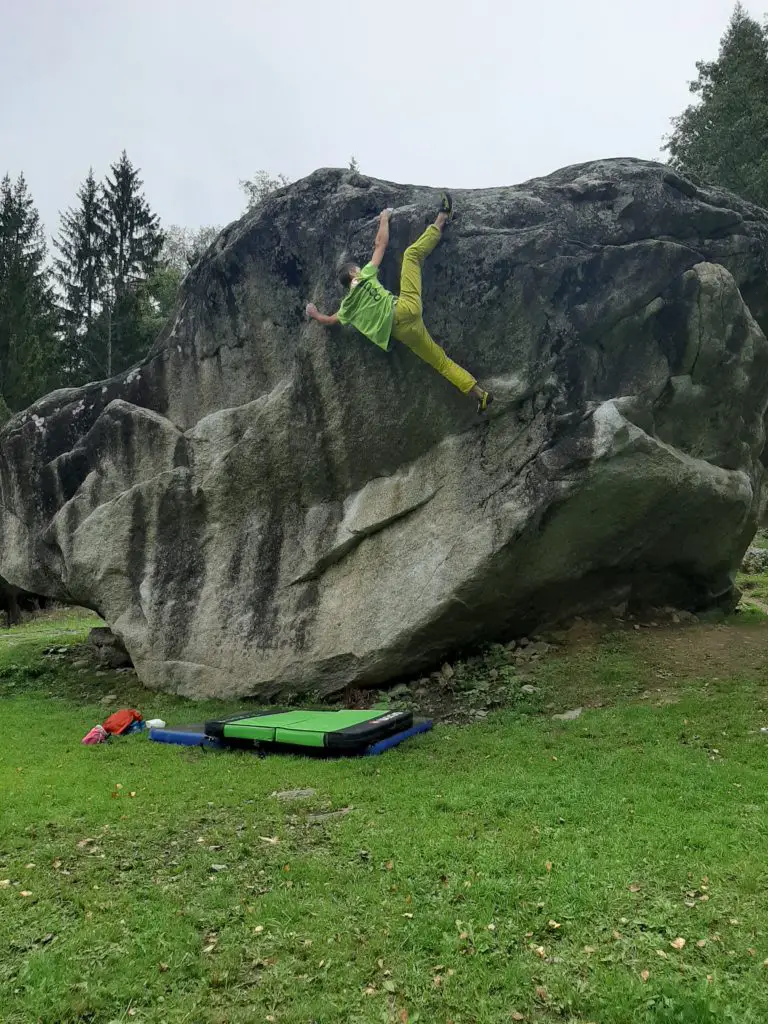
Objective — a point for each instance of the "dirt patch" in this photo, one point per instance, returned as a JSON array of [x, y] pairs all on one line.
[[597, 664], [705, 651]]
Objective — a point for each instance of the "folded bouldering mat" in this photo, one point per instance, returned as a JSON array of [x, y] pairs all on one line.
[[318, 733]]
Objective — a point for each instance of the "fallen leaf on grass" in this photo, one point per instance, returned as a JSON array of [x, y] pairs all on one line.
[[85, 842], [258, 929], [554, 925], [25, 892], [589, 950], [403, 1017], [491, 927], [634, 887], [645, 975], [662, 954], [437, 981], [616, 936], [5, 883], [273, 841], [517, 1016], [56, 864], [701, 943], [409, 916], [542, 993], [678, 943], [765, 963], [389, 865], [163, 968], [369, 991], [548, 866], [389, 986], [540, 952]]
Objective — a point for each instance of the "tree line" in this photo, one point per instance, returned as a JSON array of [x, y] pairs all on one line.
[[722, 137], [90, 305]]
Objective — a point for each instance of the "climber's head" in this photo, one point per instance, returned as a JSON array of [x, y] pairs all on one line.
[[347, 274]]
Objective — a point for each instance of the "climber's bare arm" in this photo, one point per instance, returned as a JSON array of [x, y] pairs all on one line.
[[314, 314], [382, 238]]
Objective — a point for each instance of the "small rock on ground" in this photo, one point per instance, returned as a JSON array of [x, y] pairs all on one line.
[[528, 688], [568, 716], [401, 690], [294, 794]]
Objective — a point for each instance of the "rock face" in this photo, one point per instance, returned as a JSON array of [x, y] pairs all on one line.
[[755, 561], [267, 507], [108, 648]]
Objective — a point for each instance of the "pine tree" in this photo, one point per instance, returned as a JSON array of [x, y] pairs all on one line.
[[723, 138], [132, 244], [28, 344], [80, 273]]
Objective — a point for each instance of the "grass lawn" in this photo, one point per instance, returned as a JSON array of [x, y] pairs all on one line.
[[515, 869]]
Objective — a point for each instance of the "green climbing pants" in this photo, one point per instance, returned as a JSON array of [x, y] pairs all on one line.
[[408, 326]]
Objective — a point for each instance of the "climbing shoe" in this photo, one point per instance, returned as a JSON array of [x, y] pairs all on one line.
[[446, 204], [483, 402]]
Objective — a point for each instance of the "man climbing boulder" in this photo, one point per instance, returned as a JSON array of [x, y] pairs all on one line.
[[381, 316]]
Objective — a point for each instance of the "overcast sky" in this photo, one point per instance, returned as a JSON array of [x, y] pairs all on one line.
[[202, 93]]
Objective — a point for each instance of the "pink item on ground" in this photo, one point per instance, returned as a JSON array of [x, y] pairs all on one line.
[[98, 734]]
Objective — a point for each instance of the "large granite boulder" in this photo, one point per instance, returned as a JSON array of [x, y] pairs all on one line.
[[264, 506]]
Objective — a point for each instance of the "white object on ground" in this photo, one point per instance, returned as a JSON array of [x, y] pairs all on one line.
[[568, 716], [155, 723]]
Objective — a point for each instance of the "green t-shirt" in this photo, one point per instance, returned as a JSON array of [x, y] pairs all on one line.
[[369, 307]]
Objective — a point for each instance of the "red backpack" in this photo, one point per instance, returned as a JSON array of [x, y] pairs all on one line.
[[121, 720]]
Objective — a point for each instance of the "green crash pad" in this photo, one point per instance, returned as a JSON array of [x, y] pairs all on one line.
[[332, 730]]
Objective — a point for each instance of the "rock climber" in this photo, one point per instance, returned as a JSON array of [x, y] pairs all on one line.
[[381, 316]]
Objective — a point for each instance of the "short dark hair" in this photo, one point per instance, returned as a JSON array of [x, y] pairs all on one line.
[[346, 273]]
